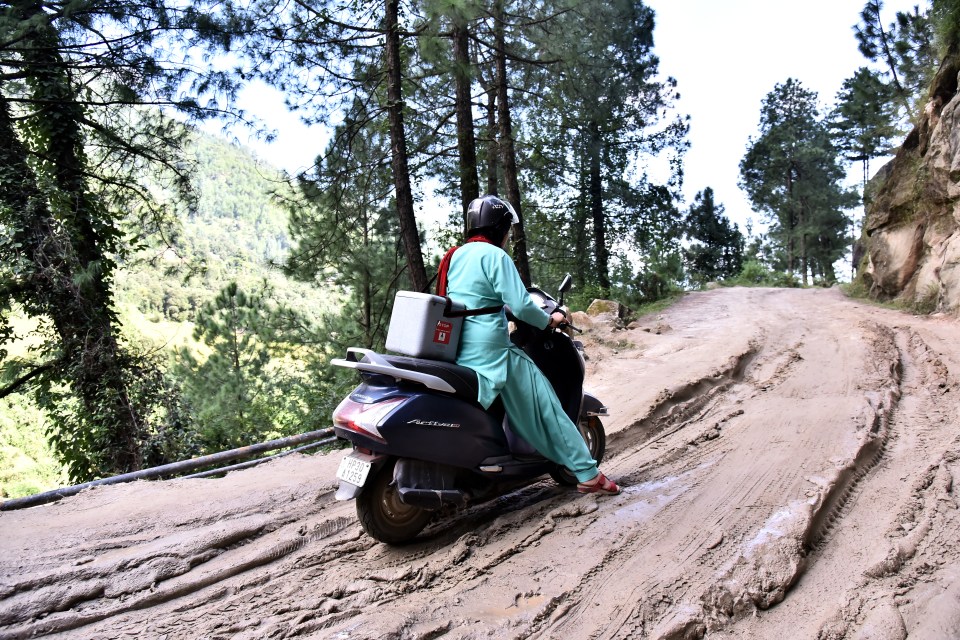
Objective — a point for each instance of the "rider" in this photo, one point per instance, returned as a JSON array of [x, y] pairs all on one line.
[[481, 274]]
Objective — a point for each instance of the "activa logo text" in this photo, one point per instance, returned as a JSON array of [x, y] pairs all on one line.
[[434, 423]]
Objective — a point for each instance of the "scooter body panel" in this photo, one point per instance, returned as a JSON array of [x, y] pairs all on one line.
[[443, 429]]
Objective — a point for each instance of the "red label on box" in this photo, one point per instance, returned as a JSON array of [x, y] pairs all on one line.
[[442, 333]]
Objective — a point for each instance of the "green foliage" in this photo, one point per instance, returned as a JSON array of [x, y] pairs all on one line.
[[346, 233], [757, 274], [658, 279], [27, 463], [85, 172], [235, 231], [792, 174], [905, 47], [862, 123], [250, 386], [580, 298], [945, 15], [595, 114]]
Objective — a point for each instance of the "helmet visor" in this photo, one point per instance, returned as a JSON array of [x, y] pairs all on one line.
[[514, 218]]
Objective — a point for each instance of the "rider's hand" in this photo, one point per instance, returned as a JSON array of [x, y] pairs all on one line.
[[556, 319]]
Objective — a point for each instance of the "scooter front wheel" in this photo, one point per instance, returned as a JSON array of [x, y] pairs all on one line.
[[596, 438], [382, 514]]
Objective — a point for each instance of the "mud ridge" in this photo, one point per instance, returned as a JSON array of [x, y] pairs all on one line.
[[871, 451], [676, 408], [175, 587], [740, 590]]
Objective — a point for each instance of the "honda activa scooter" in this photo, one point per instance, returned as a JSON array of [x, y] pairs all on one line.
[[421, 441]]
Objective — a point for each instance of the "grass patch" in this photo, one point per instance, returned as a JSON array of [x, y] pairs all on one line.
[[928, 302], [924, 305], [657, 306]]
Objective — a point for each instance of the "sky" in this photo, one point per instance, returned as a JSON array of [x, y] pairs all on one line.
[[726, 56]]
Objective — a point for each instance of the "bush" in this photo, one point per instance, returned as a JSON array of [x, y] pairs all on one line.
[[757, 274]]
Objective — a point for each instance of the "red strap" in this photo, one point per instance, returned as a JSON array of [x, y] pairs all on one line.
[[442, 272], [445, 265]]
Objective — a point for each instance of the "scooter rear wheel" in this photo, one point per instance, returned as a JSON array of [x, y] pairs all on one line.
[[383, 516], [596, 438]]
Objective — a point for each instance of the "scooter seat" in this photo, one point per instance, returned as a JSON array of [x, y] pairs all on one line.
[[462, 379]]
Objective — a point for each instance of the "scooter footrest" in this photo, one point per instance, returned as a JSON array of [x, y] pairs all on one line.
[[432, 498]]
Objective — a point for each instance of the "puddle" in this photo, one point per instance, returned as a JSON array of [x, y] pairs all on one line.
[[647, 499], [641, 502]]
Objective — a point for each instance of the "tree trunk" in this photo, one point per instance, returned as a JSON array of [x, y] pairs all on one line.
[[366, 321], [594, 149], [493, 149], [581, 240], [466, 142], [507, 153], [409, 235], [73, 268], [801, 222]]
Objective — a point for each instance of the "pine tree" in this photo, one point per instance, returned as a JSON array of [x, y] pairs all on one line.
[[602, 107], [862, 123], [246, 389], [716, 245], [326, 55], [907, 50], [345, 233], [792, 174]]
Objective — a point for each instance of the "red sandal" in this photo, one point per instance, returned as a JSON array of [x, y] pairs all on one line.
[[601, 484]]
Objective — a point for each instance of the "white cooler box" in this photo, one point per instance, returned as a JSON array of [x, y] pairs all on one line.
[[419, 328]]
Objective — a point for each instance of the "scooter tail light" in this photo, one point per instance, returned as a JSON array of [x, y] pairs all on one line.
[[365, 419]]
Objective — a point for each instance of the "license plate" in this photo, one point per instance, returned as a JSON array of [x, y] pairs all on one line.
[[354, 470]]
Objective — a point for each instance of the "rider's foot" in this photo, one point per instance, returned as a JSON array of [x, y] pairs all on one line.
[[601, 484]]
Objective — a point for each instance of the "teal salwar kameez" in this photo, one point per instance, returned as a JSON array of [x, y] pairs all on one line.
[[483, 275]]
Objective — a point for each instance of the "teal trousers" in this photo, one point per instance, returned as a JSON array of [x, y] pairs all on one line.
[[536, 416]]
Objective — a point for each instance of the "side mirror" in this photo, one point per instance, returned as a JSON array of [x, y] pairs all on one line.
[[565, 286]]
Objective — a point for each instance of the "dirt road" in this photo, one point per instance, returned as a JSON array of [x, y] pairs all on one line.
[[788, 458]]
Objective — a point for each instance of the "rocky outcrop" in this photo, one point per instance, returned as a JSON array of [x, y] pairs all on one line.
[[912, 228]]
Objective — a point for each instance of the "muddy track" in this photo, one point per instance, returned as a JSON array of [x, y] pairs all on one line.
[[775, 446]]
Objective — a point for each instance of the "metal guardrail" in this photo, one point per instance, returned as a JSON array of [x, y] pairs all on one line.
[[314, 438]]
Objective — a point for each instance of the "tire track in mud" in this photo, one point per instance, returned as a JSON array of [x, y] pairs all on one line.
[[210, 556], [877, 417], [670, 606], [689, 406], [913, 554], [684, 407], [906, 489], [789, 539], [681, 408]]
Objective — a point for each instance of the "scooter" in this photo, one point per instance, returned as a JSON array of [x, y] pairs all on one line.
[[422, 442]]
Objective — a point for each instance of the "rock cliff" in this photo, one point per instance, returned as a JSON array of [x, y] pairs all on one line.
[[912, 227]]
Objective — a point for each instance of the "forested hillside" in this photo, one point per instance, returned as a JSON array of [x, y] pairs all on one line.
[[237, 232], [226, 251]]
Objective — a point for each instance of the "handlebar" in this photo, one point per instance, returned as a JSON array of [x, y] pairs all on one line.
[[564, 325]]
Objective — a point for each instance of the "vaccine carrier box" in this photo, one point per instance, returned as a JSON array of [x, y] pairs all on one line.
[[420, 328]]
